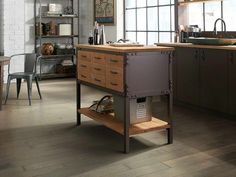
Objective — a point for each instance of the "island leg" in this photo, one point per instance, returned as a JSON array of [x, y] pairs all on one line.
[[126, 124], [170, 108], [78, 102]]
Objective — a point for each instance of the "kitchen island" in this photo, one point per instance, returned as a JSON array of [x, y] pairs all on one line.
[[129, 73], [204, 76]]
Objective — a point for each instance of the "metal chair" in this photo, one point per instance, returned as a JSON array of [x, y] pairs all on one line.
[[29, 73]]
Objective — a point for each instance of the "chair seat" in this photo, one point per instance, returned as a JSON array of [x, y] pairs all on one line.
[[21, 74]]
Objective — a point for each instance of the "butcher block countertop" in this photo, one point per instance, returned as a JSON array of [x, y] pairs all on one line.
[[190, 45], [108, 48]]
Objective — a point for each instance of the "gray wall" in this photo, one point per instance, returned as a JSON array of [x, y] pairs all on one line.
[[87, 21]]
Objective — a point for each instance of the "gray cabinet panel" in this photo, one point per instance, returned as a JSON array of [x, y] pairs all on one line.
[[232, 82], [187, 75], [213, 79]]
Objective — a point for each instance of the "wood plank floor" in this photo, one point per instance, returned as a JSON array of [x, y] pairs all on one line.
[[43, 141]]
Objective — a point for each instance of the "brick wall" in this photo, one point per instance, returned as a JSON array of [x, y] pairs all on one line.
[[13, 31]]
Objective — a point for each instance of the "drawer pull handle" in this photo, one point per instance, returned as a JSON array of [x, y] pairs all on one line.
[[83, 76], [114, 84], [97, 69], [84, 66], [98, 80], [114, 61], [113, 72], [83, 56], [97, 58]]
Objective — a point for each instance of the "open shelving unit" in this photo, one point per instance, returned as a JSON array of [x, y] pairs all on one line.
[[46, 67]]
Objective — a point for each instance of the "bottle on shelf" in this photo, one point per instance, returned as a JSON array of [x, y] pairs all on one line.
[[103, 36]]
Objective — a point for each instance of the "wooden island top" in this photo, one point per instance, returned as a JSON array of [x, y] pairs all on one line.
[[109, 48]]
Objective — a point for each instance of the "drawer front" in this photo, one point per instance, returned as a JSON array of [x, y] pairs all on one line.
[[98, 58], [84, 66], [84, 56], [114, 73], [99, 69], [115, 84], [115, 61], [99, 80], [84, 76]]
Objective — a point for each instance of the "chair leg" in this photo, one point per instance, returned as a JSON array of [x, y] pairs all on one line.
[[18, 86], [37, 84], [29, 88], [7, 88]]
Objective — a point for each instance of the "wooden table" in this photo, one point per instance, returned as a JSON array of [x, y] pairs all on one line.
[[3, 61]]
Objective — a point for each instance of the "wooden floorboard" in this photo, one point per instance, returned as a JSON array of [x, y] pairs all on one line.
[[42, 140]]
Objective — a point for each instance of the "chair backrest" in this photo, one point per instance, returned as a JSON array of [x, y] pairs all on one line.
[[24, 62]]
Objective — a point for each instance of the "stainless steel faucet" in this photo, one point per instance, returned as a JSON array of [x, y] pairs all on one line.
[[219, 19]]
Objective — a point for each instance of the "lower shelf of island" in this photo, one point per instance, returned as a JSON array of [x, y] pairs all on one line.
[[111, 122]]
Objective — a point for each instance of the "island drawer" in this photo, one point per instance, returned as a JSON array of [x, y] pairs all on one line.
[[99, 69], [115, 61], [84, 66], [84, 56], [115, 84], [99, 80], [114, 73], [84, 76], [98, 58]]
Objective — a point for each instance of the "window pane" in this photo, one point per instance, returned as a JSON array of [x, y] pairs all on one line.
[[152, 38], [130, 3], [141, 16], [229, 11], [213, 11], [152, 2], [164, 2], [141, 3], [141, 37], [152, 19], [164, 17], [196, 14], [130, 19], [172, 18], [164, 37], [131, 36]]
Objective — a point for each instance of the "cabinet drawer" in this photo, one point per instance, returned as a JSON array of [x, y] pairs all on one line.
[[99, 69], [98, 58], [84, 76], [115, 61], [84, 56], [114, 73], [84, 66], [115, 84], [99, 80]]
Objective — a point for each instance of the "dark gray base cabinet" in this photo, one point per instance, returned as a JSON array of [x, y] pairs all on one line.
[[187, 74], [206, 78], [232, 83], [213, 79]]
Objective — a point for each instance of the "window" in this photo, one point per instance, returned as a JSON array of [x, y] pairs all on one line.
[[205, 14], [150, 21]]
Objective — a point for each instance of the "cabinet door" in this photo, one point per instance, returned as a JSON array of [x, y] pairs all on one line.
[[232, 83], [213, 79], [187, 75]]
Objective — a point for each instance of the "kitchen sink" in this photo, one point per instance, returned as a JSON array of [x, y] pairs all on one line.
[[211, 41]]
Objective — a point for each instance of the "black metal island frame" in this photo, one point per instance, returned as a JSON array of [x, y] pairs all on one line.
[[127, 72]]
